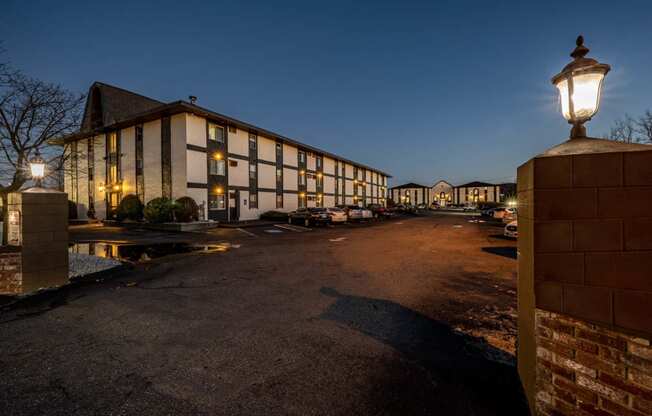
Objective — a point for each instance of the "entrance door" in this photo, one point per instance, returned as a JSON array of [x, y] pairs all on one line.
[[234, 205]]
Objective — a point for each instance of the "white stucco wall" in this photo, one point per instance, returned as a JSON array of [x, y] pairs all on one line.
[[290, 156], [290, 179], [195, 130], [239, 175], [329, 165], [239, 143], [152, 160], [266, 149], [290, 202], [197, 166], [200, 196]]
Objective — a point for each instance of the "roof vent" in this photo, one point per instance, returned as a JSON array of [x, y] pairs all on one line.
[[192, 99]]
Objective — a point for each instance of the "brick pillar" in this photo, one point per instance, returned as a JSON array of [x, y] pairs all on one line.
[[38, 223], [585, 279]]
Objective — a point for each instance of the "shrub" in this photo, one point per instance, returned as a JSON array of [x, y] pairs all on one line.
[[130, 208], [186, 210], [159, 210], [274, 216], [72, 210]]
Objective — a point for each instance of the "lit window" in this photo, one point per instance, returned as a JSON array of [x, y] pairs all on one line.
[[252, 141], [279, 175], [217, 167], [113, 142], [216, 202], [252, 171], [302, 179], [253, 201], [215, 132], [302, 157], [279, 201]]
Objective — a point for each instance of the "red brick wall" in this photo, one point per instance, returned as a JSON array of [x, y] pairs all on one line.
[[592, 238], [10, 273], [586, 369]]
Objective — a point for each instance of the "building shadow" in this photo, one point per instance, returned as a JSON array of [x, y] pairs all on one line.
[[466, 381], [507, 251]]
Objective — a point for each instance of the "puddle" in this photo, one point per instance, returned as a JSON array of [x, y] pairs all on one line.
[[138, 253]]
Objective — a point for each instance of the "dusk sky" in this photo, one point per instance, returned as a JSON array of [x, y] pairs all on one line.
[[422, 90]]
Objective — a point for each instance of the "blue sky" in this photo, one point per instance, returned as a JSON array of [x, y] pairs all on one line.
[[428, 90]]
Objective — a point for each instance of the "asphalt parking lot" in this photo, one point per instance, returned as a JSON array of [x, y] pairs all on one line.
[[410, 316]]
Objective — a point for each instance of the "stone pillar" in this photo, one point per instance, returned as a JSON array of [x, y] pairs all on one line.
[[585, 279], [38, 224]]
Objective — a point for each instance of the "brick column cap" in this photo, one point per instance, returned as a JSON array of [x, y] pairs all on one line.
[[592, 145]]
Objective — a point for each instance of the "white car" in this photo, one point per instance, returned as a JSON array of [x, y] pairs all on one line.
[[510, 215], [337, 214], [511, 230], [367, 213]]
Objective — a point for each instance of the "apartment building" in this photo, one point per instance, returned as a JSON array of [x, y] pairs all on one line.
[[478, 192], [131, 144], [410, 194]]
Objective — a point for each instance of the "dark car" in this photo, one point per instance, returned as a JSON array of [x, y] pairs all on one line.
[[309, 216], [378, 210]]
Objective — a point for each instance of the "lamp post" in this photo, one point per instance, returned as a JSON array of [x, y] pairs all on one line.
[[580, 85], [37, 167]]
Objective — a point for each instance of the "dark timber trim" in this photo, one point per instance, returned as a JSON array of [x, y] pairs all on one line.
[[240, 157], [197, 185], [140, 167], [253, 161], [217, 182], [196, 148], [278, 150], [166, 158]]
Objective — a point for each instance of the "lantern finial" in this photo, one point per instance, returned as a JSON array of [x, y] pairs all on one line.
[[580, 50]]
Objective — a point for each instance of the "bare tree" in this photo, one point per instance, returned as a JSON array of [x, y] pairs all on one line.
[[624, 130], [33, 114], [644, 127]]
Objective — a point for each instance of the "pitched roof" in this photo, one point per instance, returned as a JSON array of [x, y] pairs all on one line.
[[109, 107], [474, 184], [441, 181], [408, 185]]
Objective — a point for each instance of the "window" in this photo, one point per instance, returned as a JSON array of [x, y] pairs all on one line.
[[113, 142], [232, 129], [216, 202], [279, 175], [217, 167], [318, 162], [252, 141], [302, 201], [253, 201], [302, 157], [302, 179], [233, 163], [252, 171], [279, 201], [320, 181], [215, 132]]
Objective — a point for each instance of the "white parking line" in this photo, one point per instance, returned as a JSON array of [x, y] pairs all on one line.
[[293, 228], [246, 232], [337, 239]]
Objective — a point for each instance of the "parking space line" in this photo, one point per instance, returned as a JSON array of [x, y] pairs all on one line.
[[246, 232], [293, 228]]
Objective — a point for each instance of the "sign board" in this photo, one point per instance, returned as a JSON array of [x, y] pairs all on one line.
[[13, 228]]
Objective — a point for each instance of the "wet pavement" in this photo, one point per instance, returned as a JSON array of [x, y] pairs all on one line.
[[356, 320]]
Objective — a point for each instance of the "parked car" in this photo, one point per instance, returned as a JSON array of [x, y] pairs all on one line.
[[378, 210], [470, 208], [338, 215], [309, 216], [511, 230], [510, 215], [498, 213], [422, 207], [354, 212]]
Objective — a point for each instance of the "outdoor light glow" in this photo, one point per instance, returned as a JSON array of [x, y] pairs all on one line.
[[116, 187], [37, 168], [580, 85], [303, 172], [101, 188], [217, 156], [219, 190], [319, 175], [302, 194]]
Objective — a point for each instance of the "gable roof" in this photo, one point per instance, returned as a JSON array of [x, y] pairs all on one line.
[[475, 184], [109, 107], [408, 185], [441, 181]]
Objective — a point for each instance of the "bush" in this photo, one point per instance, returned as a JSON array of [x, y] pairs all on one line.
[[274, 216], [72, 210], [130, 208], [186, 210], [159, 210]]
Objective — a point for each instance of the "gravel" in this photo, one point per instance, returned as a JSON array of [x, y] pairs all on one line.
[[83, 264]]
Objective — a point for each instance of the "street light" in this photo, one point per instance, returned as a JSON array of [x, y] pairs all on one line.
[[37, 166], [579, 85]]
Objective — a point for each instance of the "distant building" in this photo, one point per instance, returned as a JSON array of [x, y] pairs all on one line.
[[478, 192], [410, 194], [442, 193]]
